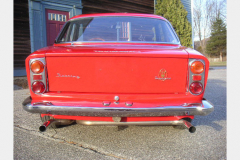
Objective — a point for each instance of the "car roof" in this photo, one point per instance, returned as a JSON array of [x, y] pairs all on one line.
[[118, 14]]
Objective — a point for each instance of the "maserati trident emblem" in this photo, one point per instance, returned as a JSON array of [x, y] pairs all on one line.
[[162, 75]]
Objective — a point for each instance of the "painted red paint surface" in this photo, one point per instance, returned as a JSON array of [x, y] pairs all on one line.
[[93, 75], [130, 72], [53, 27]]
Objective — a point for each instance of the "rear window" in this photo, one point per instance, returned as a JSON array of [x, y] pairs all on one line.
[[118, 29]]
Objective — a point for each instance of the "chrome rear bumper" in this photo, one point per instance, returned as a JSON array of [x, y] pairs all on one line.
[[202, 109]]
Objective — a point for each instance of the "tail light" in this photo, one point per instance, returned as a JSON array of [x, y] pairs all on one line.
[[38, 75], [38, 87], [196, 88], [37, 66], [197, 67], [196, 76]]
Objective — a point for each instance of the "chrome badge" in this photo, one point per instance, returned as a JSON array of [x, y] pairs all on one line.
[[71, 76], [162, 75]]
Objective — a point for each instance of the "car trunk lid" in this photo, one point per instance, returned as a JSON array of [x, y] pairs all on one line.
[[98, 69]]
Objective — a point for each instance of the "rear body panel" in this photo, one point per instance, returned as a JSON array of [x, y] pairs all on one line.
[[116, 74]]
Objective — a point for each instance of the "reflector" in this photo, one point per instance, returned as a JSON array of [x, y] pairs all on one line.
[[196, 77], [37, 77]]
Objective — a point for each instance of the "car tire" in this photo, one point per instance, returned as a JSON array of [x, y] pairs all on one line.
[[181, 126]]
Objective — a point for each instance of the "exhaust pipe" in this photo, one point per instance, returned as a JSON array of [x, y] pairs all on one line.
[[44, 126], [188, 125]]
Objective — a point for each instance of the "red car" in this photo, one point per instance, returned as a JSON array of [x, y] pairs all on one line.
[[117, 69]]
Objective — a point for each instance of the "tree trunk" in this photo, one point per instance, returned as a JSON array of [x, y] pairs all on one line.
[[221, 58]]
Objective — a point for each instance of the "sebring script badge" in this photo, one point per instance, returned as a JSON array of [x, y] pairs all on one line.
[[71, 76], [162, 75]]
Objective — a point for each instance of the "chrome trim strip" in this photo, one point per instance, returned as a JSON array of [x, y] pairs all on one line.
[[191, 109], [77, 43]]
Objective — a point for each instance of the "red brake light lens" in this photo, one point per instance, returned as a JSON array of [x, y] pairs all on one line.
[[196, 88], [197, 67], [37, 66], [38, 87]]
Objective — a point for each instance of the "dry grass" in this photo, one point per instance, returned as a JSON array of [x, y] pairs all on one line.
[[214, 64]]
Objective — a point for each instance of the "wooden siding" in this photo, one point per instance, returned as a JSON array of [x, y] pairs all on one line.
[[106, 6], [21, 33], [187, 5]]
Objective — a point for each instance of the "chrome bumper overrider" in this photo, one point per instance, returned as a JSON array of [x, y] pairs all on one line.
[[48, 108]]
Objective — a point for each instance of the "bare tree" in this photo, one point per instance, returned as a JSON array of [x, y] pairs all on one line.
[[197, 14], [201, 19], [219, 10], [204, 13]]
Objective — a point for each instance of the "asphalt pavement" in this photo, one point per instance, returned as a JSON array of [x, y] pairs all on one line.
[[134, 142]]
